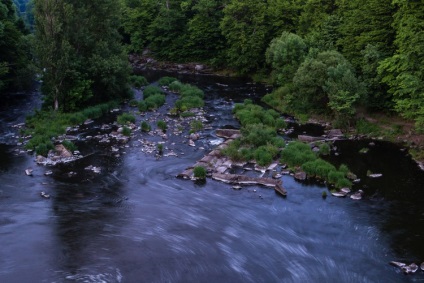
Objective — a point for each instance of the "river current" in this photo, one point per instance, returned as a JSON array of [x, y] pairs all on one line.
[[136, 222]]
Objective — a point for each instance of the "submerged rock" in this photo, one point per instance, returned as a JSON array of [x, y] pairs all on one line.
[[28, 172], [422, 266], [301, 176], [44, 195], [357, 195]]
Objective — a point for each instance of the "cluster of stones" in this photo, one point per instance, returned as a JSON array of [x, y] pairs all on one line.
[[408, 269]]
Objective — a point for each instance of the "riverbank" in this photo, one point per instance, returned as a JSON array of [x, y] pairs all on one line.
[[369, 125]]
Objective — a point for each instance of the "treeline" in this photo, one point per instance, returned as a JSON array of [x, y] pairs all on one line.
[[324, 55], [15, 49]]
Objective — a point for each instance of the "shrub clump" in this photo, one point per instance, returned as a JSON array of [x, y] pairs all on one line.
[[166, 81], [126, 131], [162, 125], [151, 90], [125, 118], [145, 127], [199, 172], [138, 81]]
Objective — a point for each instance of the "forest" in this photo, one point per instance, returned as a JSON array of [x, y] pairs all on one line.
[[329, 57]]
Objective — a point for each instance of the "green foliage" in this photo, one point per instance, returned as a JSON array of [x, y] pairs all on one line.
[[175, 86], [160, 148], [285, 54], [166, 81], [244, 26], [125, 118], [154, 101], [191, 97], [145, 127], [196, 125], [126, 131], [248, 113], [326, 83], [262, 156], [15, 69], [364, 127], [44, 125], [199, 172], [80, 52], [324, 149], [151, 90], [297, 153], [162, 125], [138, 81]]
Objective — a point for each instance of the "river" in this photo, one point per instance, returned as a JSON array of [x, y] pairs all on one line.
[[136, 222]]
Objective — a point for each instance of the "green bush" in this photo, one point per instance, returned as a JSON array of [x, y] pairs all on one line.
[[262, 156], [162, 125], [160, 148], [235, 152], [138, 81], [151, 90], [343, 183], [166, 81], [297, 153], [175, 86], [155, 101], [189, 102], [335, 176], [44, 148], [190, 90], [343, 168], [324, 149], [199, 172], [145, 127], [248, 113], [125, 118], [257, 134], [196, 125], [126, 131], [142, 106]]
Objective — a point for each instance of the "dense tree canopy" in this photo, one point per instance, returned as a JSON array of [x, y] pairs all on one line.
[[14, 48], [80, 52], [377, 45]]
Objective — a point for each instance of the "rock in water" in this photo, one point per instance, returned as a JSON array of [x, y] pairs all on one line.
[[413, 267], [338, 194], [398, 264], [28, 172], [422, 266], [300, 176], [191, 143]]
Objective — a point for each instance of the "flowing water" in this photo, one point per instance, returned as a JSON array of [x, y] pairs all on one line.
[[136, 222]]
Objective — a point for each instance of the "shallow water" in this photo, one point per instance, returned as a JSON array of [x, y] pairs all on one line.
[[136, 222]]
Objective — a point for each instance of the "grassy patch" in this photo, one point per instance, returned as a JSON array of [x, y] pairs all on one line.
[[44, 125], [126, 118], [138, 81]]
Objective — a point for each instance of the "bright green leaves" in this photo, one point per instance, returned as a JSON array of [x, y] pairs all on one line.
[[285, 54]]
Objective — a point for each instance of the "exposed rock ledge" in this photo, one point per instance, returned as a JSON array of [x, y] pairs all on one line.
[[245, 180], [217, 166]]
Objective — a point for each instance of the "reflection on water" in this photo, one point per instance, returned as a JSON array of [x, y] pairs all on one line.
[[135, 222]]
